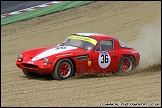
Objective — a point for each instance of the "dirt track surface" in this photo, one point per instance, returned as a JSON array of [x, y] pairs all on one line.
[[127, 21]]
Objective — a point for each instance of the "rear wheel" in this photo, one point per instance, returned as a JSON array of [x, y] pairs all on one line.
[[64, 69], [126, 64]]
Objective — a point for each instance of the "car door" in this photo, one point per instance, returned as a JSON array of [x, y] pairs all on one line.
[[104, 57]]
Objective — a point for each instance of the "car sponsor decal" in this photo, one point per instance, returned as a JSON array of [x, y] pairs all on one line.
[[88, 39], [89, 62], [51, 52], [104, 59], [62, 55]]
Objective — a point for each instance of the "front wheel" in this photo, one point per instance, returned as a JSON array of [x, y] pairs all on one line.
[[64, 69], [126, 64]]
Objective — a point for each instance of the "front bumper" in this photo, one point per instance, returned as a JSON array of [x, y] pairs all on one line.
[[36, 67]]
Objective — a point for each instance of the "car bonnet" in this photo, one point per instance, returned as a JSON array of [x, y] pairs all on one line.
[[53, 51]]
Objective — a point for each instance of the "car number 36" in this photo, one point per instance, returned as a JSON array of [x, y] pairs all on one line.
[[104, 60]]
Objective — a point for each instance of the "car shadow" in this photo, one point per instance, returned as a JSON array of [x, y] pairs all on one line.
[[39, 77], [48, 77]]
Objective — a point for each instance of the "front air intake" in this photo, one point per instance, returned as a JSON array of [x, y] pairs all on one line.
[[30, 65]]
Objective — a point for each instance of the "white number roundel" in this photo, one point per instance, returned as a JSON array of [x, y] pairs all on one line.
[[104, 60]]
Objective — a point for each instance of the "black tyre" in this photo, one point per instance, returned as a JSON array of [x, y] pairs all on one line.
[[126, 64], [28, 73], [64, 69]]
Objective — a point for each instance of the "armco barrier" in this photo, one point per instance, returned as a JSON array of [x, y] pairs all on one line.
[[30, 9], [42, 11]]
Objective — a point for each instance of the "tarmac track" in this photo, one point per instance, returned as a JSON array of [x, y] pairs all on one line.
[[11, 6], [132, 22]]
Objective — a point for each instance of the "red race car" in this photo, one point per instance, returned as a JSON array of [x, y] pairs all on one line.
[[79, 53]]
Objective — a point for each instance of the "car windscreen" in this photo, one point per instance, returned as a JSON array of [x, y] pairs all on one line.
[[81, 41]]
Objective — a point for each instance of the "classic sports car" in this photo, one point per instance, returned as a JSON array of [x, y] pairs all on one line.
[[80, 53]]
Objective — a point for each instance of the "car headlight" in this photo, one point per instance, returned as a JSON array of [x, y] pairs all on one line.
[[45, 61], [20, 57]]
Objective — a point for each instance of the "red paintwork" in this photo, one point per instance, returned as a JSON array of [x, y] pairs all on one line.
[[81, 66]]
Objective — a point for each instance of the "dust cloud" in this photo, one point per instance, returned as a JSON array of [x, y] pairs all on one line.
[[148, 43]]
